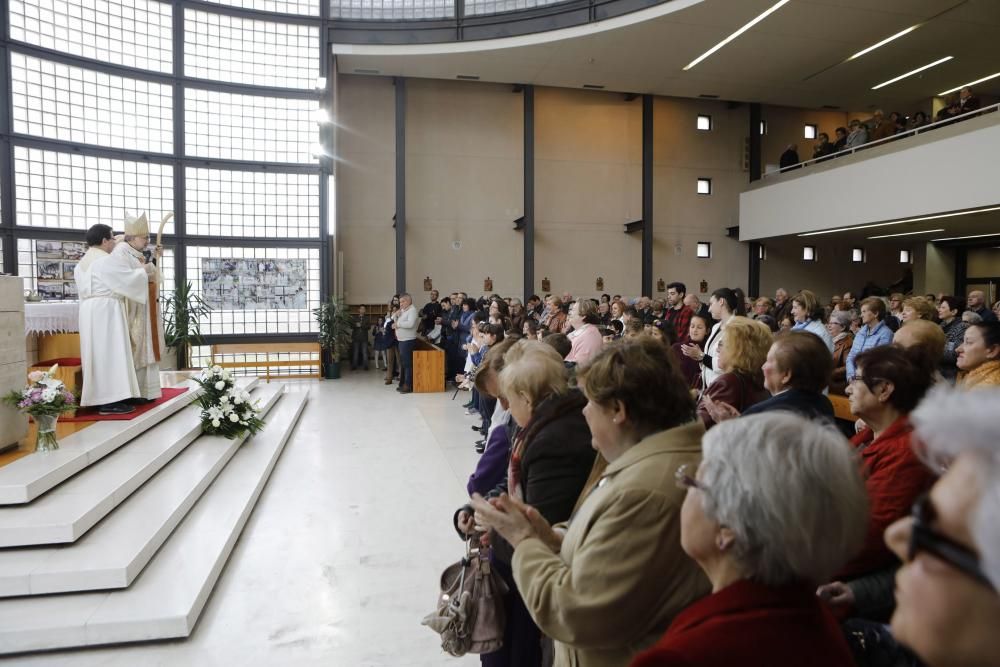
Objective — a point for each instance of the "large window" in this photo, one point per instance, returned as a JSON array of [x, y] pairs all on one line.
[[96, 99]]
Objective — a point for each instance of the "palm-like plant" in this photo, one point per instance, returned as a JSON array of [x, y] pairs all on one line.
[[182, 314], [334, 319]]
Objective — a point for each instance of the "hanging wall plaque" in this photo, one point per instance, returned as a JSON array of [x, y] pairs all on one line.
[[428, 284], [546, 285], [661, 286]]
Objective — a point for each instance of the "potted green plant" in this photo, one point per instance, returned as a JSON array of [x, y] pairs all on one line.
[[334, 320], [182, 314]]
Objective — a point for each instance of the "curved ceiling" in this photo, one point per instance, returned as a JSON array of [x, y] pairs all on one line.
[[797, 56]]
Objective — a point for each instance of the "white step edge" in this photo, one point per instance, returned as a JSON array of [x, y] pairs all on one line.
[[166, 601], [30, 476], [113, 553], [64, 514]]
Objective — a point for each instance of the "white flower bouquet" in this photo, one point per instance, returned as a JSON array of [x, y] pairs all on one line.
[[225, 409], [44, 398]]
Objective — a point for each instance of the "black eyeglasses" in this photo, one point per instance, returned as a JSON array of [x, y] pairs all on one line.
[[925, 538]]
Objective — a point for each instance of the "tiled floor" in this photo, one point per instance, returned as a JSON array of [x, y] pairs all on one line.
[[340, 559]]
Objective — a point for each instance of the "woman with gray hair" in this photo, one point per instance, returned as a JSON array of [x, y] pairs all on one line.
[[776, 506], [946, 592], [839, 326]]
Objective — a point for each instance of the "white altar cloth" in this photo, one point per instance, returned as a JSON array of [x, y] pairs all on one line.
[[51, 317]]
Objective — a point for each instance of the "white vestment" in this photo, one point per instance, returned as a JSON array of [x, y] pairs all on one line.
[[103, 283], [147, 368]]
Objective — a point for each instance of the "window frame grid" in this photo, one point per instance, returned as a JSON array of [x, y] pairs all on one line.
[[316, 246]]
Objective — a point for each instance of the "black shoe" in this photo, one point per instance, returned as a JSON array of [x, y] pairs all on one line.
[[476, 428], [140, 401], [115, 409], [480, 446], [405, 390]]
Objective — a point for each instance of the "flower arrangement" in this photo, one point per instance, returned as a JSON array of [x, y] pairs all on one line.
[[43, 395], [226, 410], [44, 398]]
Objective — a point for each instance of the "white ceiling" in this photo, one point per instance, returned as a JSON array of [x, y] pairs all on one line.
[[794, 57]]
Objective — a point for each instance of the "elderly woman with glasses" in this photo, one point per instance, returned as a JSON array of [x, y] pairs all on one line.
[[776, 506], [947, 590], [607, 583], [888, 384]]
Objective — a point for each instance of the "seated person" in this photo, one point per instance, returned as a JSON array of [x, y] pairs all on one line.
[[839, 326], [887, 385], [947, 599], [776, 506]]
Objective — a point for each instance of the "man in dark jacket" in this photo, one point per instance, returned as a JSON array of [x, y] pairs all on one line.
[[790, 158], [429, 313], [824, 147], [359, 339]]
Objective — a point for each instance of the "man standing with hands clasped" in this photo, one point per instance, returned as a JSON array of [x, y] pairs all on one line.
[[405, 322]]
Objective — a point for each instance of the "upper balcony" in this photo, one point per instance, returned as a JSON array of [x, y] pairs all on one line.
[[920, 186]]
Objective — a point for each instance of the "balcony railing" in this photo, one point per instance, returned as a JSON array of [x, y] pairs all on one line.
[[881, 142]]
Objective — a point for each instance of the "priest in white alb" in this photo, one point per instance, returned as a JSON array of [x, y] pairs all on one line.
[[143, 315], [104, 284]]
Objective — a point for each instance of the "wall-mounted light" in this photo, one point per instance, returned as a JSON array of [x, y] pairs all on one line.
[[704, 122], [904, 257], [811, 131], [858, 255], [808, 253], [704, 186], [704, 250]]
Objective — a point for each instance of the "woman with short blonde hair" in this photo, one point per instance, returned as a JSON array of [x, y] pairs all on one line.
[[809, 315], [740, 355], [918, 308]]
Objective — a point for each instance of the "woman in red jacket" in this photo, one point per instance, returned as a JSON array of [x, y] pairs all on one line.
[[888, 383], [776, 506]]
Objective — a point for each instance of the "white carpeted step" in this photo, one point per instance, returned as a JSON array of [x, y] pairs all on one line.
[[114, 552], [64, 514], [27, 478], [167, 599]]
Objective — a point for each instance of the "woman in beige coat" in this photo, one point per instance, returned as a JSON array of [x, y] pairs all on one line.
[[608, 582]]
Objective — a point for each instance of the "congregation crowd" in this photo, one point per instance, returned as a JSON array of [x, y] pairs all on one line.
[[881, 127], [725, 519]]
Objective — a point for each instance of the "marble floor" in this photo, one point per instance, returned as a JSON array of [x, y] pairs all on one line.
[[340, 559]]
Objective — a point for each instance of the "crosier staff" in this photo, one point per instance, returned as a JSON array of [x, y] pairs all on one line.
[[154, 313]]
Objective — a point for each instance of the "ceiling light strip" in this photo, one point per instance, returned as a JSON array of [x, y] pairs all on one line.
[[971, 236], [900, 222], [885, 41], [889, 236], [736, 34], [971, 83], [912, 72]]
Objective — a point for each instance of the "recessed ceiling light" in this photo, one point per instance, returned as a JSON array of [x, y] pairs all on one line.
[[736, 34], [912, 72], [971, 236], [467, 77], [971, 83], [889, 236], [885, 41], [366, 71], [709, 97], [900, 222], [593, 86]]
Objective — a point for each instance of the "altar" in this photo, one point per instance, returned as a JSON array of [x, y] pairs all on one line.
[[51, 330]]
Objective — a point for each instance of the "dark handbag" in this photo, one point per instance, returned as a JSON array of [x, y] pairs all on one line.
[[470, 613]]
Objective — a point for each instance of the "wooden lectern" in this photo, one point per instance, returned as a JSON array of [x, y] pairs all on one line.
[[428, 367]]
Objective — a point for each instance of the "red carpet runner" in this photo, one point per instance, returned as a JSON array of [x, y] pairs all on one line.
[[90, 414]]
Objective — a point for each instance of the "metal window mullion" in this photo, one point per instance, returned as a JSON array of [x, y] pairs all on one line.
[[180, 189], [240, 12], [6, 153], [251, 242]]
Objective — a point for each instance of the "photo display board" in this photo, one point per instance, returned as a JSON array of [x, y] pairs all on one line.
[[254, 284], [56, 261]]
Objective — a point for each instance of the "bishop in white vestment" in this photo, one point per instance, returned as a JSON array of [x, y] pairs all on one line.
[[142, 327], [104, 283]]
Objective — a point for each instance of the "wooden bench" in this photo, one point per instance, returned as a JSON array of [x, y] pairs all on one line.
[[842, 408], [267, 363]]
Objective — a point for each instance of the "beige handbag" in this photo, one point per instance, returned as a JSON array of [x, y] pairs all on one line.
[[470, 613]]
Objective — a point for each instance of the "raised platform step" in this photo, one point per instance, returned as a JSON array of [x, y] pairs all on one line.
[[167, 599], [29, 477], [114, 553], [66, 513]]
